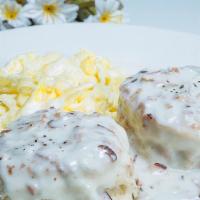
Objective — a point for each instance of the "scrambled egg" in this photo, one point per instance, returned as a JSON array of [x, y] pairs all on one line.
[[83, 82]]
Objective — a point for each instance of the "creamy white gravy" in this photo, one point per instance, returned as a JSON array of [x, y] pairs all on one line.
[[160, 183], [56, 156], [171, 95], [171, 110], [78, 156]]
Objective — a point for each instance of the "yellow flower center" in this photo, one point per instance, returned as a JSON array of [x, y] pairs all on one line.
[[105, 17], [50, 9], [10, 13]]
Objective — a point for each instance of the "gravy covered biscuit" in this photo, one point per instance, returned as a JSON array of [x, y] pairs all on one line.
[[60, 156], [161, 110]]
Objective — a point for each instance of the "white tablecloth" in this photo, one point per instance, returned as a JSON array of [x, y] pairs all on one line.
[[178, 15]]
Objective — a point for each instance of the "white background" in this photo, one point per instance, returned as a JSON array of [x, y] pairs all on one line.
[[179, 15]]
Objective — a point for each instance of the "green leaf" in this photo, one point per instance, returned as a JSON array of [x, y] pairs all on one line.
[[86, 8]]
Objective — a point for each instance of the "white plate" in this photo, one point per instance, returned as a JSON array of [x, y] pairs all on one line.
[[127, 46]]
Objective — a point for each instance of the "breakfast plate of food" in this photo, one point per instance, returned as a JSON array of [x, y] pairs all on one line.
[[97, 112]]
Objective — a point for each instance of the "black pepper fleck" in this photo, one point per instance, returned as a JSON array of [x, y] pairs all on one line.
[[194, 85], [71, 113], [133, 81], [143, 71], [133, 197], [108, 196], [159, 165], [135, 158]]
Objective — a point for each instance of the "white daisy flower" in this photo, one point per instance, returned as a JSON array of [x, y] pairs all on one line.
[[107, 11], [12, 13], [50, 11]]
